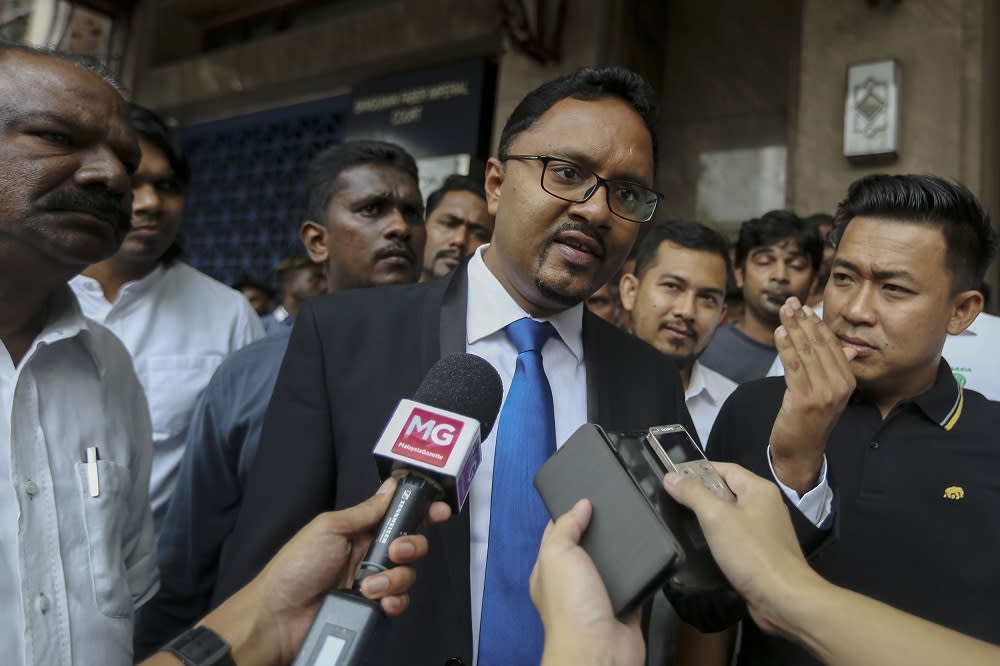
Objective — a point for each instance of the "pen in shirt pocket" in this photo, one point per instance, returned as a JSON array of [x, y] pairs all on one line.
[[93, 481]]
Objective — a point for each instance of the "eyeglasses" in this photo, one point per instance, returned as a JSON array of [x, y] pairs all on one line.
[[570, 182]]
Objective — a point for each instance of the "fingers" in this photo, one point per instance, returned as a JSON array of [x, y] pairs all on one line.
[[395, 605], [739, 479], [408, 549], [438, 512], [392, 582], [571, 525], [809, 351]]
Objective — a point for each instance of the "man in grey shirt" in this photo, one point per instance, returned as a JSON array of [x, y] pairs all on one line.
[[777, 256]]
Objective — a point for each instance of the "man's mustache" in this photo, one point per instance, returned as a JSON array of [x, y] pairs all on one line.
[[101, 203]]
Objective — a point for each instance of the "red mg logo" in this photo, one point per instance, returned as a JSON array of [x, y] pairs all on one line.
[[428, 437]]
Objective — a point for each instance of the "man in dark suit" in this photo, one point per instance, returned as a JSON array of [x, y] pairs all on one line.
[[569, 189]]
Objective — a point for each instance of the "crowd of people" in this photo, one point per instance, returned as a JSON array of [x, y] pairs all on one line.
[[185, 460]]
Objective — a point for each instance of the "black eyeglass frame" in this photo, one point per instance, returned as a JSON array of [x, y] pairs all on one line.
[[606, 182]]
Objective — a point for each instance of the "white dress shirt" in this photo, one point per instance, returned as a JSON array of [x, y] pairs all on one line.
[[704, 396], [490, 309], [73, 567], [178, 324]]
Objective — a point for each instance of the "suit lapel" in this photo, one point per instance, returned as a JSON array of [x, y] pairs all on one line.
[[599, 359], [449, 319]]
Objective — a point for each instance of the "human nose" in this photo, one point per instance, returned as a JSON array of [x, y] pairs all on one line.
[[459, 237], [396, 225], [684, 306], [102, 167], [595, 208], [859, 308], [145, 198], [779, 271]]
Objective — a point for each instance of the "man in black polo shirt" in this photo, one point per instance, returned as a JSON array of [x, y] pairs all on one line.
[[913, 458]]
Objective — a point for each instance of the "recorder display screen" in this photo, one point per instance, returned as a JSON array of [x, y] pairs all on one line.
[[679, 447]]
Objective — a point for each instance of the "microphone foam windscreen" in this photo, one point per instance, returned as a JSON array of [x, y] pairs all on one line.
[[464, 384]]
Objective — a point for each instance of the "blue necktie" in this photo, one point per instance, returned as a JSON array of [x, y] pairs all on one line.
[[510, 631]]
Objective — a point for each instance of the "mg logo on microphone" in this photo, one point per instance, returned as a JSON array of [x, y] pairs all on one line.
[[428, 437]]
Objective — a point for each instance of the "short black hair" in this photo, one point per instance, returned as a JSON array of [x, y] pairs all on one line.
[[86, 62], [455, 183], [971, 242], [325, 169], [775, 226], [148, 125], [587, 84], [690, 235], [245, 281]]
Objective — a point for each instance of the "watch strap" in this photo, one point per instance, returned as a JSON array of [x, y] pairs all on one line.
[[200, 646]]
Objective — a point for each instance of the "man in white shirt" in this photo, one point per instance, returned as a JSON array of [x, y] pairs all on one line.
[[675, 300], [77, 549], [973, 356], [177, 323]]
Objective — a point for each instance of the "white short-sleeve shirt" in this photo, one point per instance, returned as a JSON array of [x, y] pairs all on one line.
[[178, 324]]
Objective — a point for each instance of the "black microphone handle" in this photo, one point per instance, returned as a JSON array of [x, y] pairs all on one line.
[[414, 494]]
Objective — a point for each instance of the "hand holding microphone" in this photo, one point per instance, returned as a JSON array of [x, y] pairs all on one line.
[[431, 446]]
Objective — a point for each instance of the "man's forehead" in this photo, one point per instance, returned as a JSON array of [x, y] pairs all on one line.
[[34, 83], [373, 177], [785, 245], [591, 132], [693, 265]]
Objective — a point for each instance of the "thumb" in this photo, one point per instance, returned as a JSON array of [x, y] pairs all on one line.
[[692, 493], [571, 525], [366, 515]]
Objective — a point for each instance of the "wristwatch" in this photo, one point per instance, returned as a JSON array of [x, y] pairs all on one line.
[[200, 646]]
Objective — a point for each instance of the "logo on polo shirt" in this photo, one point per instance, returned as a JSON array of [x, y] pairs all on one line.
[[954, 493]]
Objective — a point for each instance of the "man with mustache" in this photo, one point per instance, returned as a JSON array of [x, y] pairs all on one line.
[[911, 454], [177, 322], [675, 300], [571, 185], [457, 224], [77, 547], [365, 226], [777, 256]]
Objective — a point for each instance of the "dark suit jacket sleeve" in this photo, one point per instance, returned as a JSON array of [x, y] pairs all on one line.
[[293, 478]]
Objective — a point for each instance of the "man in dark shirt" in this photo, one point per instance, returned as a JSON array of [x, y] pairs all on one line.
[[912, 456], [777, 256]]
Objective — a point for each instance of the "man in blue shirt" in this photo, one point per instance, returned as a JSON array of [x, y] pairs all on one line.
[[366, 225]]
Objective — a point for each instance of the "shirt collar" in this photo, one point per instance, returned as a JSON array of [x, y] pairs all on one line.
[[703, 381], [491, 309], [129, 289], [942, 403], [66, 321]]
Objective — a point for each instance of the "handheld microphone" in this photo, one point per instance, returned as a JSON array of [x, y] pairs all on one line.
[[431, 445]]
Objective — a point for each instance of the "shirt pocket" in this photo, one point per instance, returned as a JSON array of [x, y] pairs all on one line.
[[104, 518], [173, 385]]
